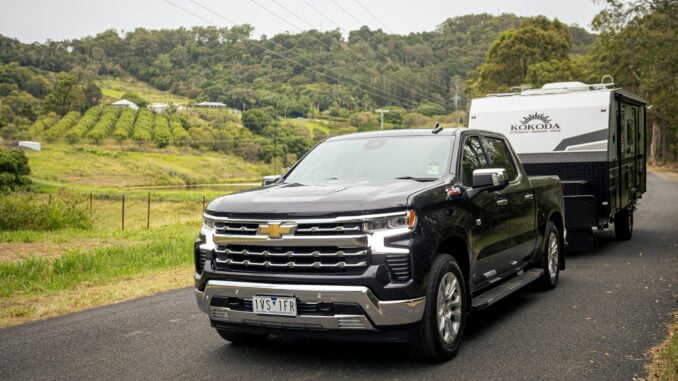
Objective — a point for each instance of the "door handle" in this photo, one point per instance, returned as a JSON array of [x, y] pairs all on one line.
[[529, 196], [502, 201]]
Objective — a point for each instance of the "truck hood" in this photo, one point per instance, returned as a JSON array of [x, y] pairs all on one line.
[[319, 200]]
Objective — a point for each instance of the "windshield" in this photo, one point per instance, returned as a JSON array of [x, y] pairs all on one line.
[[409, 157]]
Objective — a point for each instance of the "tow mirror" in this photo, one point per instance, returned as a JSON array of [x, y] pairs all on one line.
[[489, 180], [270, 180]]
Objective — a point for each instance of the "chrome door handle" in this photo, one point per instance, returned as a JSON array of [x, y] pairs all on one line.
[[529, 196], [502, 201]]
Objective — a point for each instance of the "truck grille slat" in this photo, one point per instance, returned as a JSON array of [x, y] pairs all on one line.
[[290, 259]]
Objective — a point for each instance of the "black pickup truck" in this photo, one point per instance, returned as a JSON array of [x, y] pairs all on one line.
[[380, 236]]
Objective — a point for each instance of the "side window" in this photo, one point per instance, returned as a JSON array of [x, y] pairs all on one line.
[[499, 156], [473, 158]]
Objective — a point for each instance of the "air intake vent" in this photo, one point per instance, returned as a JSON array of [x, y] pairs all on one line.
[[399, 265], [200, 258]]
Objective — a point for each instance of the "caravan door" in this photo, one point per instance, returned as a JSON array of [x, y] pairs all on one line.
[[627, 129]]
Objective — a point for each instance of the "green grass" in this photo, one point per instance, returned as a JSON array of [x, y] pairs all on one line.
[[665, 365], [166, 248], [114, 88], [111, 166]]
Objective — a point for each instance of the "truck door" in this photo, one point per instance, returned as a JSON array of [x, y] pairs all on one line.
[[520, 204], [489, 214], [628, 126]]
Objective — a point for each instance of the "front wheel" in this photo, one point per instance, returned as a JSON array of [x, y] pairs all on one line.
[[551, 257], [623, 224], [439, 333]]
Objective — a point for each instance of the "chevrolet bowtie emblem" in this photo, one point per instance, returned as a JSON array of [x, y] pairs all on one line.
[[275, 230]]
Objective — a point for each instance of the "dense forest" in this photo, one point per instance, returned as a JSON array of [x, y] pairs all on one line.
[[325, 75]]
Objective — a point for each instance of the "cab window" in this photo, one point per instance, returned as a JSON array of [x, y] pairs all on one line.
[[499, 156], [473, 158]]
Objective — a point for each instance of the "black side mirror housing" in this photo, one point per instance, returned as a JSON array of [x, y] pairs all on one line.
[[488, 180], [270, 180]]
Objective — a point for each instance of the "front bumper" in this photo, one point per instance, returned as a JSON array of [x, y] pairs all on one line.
[[377, 313]]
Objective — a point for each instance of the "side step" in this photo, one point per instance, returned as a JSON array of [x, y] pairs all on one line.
[[505, 289]]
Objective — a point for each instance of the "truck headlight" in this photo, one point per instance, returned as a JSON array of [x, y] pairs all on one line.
[[208, 223], [407, 220]]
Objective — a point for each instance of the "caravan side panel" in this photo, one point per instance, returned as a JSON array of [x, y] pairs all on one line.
[[576, 121]]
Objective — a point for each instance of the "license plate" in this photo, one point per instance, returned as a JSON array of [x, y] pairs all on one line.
[[274, 305]]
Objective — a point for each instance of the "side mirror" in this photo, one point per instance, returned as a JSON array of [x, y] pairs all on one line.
[[489, 180], [270, 180]]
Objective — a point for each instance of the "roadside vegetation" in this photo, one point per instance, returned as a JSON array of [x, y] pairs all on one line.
[[664, 365]]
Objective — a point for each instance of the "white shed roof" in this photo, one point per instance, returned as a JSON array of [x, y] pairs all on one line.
[[211, 104], [123, 102]]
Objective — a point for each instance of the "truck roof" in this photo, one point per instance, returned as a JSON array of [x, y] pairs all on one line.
[[405, 132]]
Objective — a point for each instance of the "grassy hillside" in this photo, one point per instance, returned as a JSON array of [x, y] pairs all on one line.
[[114, 166], [114, 88]]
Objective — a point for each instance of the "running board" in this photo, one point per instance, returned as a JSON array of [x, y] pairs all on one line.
[[505, 289]]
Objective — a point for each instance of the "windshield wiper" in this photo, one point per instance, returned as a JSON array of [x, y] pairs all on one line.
[[416, 178]]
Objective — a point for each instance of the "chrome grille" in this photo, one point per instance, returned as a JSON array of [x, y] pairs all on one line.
[[236, 228], [294, 259], [328, 229]]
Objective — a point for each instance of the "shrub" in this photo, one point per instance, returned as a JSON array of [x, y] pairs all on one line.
[[42, 124], [105, 125], [161, 131], [24, 212], [84, 124], [179, 134], [143, 126], [124, 127], [14, 170], [62, 126]]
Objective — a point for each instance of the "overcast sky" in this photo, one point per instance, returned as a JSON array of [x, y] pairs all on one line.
[[39, 20]]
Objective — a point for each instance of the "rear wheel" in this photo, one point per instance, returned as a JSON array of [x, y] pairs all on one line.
[[241, 338], [440, 331], [551, 257], [623, 224]]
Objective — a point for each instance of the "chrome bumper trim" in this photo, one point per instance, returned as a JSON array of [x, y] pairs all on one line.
[[378, 313]]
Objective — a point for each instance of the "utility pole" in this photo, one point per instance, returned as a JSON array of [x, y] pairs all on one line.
[[382, 112]]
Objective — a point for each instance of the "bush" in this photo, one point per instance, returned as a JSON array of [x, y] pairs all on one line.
[[161, 131], [42, 124], [143, 126], [24, 212], [62, 126], [124, 127], [105, 125], [86, 122], [14, 170], [179, 134]]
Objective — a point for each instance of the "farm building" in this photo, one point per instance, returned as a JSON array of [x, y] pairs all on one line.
[[125, 103]]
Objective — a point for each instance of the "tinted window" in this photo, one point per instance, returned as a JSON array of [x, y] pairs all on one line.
[[391, 157], [473, 158], [499, 156]]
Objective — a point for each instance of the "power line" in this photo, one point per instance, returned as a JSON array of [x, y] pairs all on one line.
[[391, 97], [414, 88], [293, 14], [360, 23], [433, 84]]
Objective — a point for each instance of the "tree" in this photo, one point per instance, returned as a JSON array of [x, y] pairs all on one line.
[[364, 121], [554, 71], [256, 120], [67, 95], [134, 97], [507, 63], [637, 46], [92, 94], [14, 170]]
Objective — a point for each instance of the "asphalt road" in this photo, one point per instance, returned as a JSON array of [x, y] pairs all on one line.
[[610, 307]]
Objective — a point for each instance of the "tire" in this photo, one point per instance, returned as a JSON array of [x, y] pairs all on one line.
[[551, 257], [239, 338], [432, 341], [623, 224]]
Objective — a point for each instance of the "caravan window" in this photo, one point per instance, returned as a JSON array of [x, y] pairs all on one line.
[[499, 156]]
